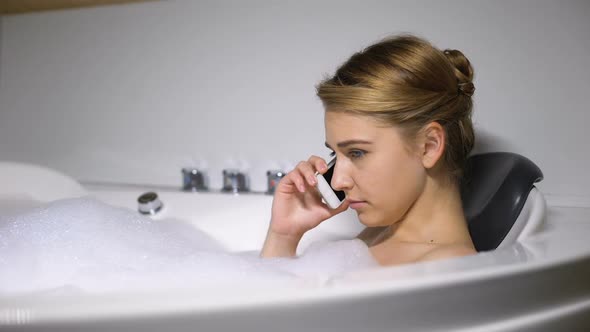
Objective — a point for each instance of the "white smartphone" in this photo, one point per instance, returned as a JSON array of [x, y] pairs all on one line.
[[332, 197]]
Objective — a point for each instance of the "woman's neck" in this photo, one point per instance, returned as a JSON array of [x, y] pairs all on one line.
[[435, 218]]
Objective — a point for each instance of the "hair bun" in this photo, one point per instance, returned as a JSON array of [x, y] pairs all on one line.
[[467, 88], [462, 66]]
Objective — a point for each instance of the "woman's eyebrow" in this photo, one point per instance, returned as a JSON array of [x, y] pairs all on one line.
[[344, 144]]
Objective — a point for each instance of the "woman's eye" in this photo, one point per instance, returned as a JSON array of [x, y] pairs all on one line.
[[356, 154]]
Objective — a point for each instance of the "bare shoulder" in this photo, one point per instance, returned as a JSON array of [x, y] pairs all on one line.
[[448, 251]]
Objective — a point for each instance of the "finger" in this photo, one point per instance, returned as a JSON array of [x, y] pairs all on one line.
[[308, 173], [318, 163], [294, 177], [343, 207], [329, 212]]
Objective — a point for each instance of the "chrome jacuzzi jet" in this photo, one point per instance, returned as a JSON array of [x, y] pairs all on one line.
[[149, 203]]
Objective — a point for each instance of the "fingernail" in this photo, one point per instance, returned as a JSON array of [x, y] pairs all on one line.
[[312, 180]]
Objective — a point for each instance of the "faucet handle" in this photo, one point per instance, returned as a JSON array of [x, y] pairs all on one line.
[[272, 180], [194, 179], [235, 181]]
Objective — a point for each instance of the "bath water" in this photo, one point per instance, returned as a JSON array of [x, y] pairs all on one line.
[[84, 245]]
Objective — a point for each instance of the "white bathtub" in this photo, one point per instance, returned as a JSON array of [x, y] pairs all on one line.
[[540, 283]]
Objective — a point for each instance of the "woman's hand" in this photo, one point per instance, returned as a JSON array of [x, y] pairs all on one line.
[[297, 205], [296, 208]]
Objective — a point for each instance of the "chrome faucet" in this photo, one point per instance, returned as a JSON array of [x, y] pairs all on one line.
[[235, 181], [194, 179], [272, 180]]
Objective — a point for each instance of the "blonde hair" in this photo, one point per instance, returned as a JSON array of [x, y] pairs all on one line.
[[406, 82]]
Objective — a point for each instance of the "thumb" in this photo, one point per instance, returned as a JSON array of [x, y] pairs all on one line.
[[343, 207]]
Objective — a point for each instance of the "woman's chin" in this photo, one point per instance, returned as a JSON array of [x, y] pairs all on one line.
[[371, 220], [365, 219]]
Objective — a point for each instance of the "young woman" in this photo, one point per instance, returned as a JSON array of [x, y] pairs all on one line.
[[398, 120]]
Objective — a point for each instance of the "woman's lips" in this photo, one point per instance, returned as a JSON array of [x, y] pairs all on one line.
[[357, 204]]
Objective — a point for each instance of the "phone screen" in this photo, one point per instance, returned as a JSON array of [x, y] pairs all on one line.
[[328, 176]]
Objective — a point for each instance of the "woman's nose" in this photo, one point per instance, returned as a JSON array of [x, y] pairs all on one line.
[[341, 180]]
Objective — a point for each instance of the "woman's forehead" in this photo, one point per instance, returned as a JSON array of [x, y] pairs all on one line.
[[342, 126], [345, 119]]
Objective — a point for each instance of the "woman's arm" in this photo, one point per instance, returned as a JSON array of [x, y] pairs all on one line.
[[277, 245]]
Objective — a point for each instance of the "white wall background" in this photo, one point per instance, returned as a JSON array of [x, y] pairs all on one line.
[[133, 93]]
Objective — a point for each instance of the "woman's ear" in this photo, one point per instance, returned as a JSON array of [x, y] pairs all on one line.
[[433, 144]]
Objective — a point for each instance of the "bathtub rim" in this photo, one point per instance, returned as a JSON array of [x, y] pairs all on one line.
[[137, 305]]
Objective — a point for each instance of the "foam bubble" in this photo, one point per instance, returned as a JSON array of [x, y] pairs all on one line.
[[85, 245]]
